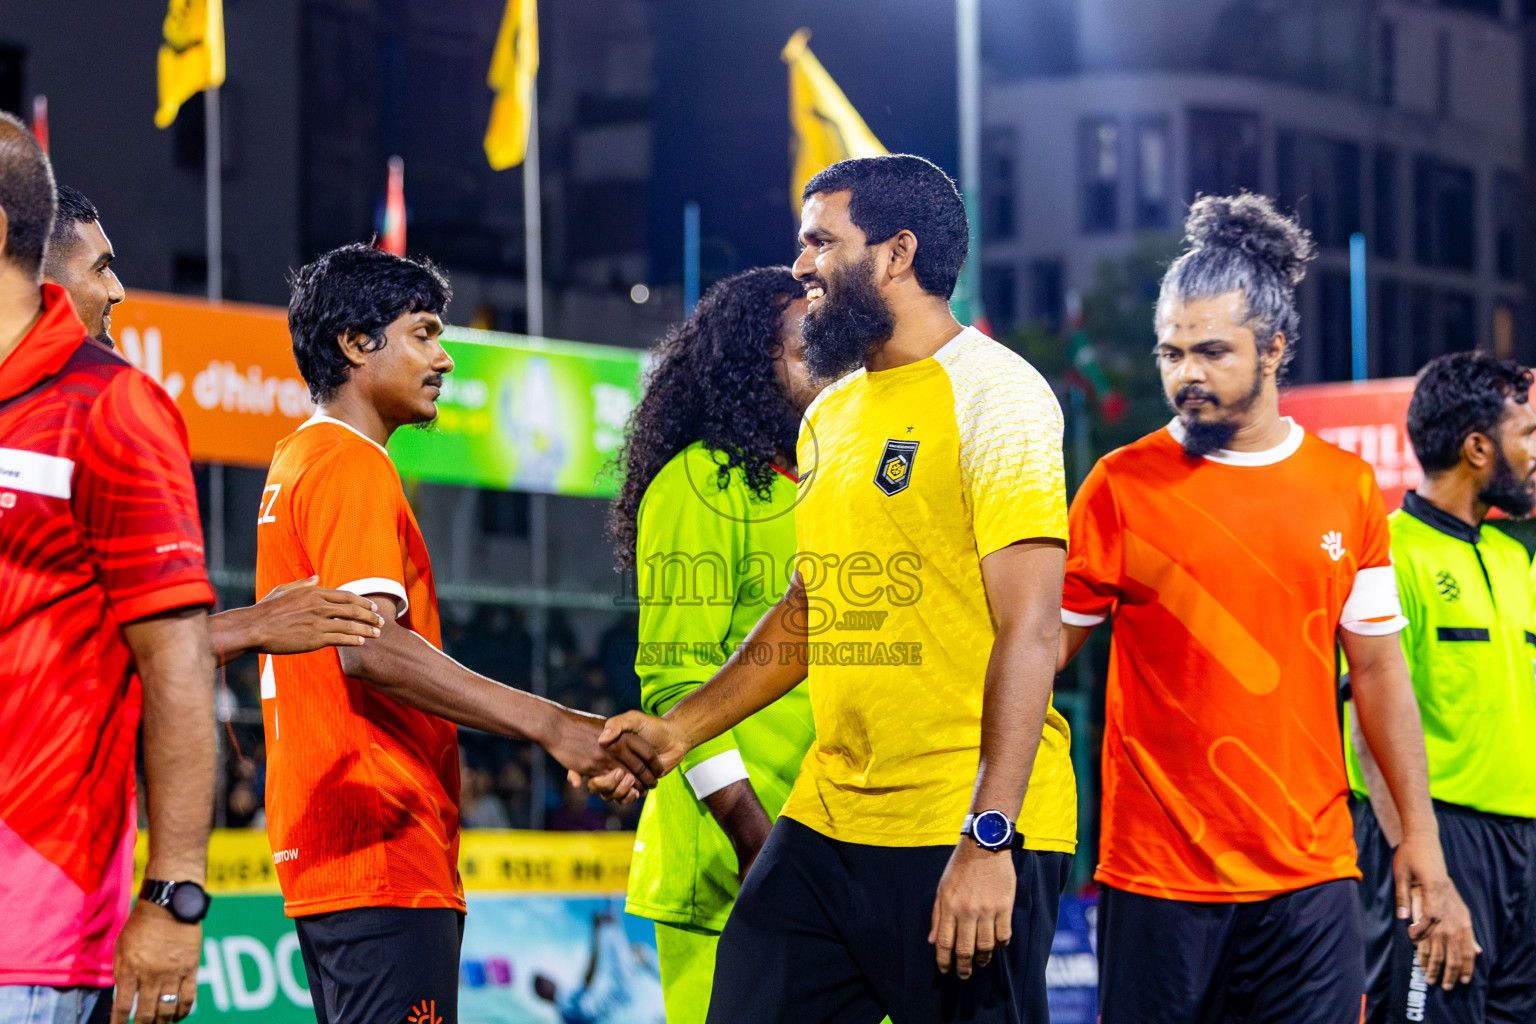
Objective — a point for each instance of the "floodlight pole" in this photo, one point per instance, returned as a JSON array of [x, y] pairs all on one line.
[[1358, 322], [967, 300]]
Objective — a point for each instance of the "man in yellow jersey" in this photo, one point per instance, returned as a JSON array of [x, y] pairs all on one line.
[[917, 866]]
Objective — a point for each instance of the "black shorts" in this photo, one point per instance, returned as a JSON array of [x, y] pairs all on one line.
[[1287, 959], [827, 932], [383, 965], [1378, 901], [1492, 860]]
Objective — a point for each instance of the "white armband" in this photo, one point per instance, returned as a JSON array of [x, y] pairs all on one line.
[[379, 585], [1373, 608], [1072, 618], [715, 774]]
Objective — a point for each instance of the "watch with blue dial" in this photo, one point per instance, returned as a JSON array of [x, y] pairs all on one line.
[[992, 830]]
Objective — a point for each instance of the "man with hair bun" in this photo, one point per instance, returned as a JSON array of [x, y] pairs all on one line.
[[1235, 552], [1467, 594]]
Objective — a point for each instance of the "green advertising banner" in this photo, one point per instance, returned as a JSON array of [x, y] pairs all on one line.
[[251, 963], [526, 414]]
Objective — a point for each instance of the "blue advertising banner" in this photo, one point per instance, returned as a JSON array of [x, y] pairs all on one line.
[[557, 960], [1072, 975]]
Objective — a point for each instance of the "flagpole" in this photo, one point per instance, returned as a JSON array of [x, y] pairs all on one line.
[[538, 504], [212, 169], [533, 228]]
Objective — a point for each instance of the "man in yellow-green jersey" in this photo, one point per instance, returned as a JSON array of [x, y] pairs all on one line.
[[1471, 650], [918, 864], [706, 522]]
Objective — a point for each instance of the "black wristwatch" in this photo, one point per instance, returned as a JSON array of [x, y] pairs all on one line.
[[992, 830], [187, 901]]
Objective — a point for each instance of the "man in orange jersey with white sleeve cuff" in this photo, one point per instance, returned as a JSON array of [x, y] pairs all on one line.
[[1233, 551], [363, 780]]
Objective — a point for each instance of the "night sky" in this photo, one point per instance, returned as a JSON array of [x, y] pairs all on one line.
[[722, 118]]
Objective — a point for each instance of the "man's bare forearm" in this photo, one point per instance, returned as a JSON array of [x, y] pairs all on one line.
[[1375, 784], [1020, 675], [1071, 640], [174, 658], [1023, 584], [742, 687], [742, 817], [404, 667], [234, 633], [1389, 721]]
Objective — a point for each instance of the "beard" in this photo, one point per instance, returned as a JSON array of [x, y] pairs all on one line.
[[1505, 491], [852, 321], [1202, 437]]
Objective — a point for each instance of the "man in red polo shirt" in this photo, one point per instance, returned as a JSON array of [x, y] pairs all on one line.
[[101, 577]]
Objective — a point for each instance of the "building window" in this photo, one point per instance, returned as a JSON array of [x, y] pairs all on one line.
[[1421, 326], [1333, 333], [1443, 73], [1320, 179], [504, 513], [1508, 224], [1384, 201], [1099, 156], [997, 297], [1445, 214], [1223, 152], [1154, 174], [998, 175], [1504, 330], [1458, 322], [1396, 350], [1386, 63], [1047, 294], [13, 62]]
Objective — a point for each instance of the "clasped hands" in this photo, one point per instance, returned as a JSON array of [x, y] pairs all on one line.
[[645, 747]]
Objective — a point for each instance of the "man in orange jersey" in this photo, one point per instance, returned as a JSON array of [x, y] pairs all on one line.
[[1233, 551], [363, 781]]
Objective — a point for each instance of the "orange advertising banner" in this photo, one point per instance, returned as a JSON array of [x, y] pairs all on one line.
[[1367, 418], [228, 366]]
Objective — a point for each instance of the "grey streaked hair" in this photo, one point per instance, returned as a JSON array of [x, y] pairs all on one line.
[[1242, 243]]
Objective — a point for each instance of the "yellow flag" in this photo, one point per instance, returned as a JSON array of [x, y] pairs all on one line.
[[514, 65], [192, 55], [823, 126]]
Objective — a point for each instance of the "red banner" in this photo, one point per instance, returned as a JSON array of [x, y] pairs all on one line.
[[1368, 418]]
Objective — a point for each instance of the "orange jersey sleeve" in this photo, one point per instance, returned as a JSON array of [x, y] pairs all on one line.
[[1094, 552]]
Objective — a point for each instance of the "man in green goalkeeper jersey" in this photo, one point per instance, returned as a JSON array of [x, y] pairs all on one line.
[[706, 521], [1471, 649]]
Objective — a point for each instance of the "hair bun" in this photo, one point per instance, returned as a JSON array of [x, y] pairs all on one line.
[[1250, 224]]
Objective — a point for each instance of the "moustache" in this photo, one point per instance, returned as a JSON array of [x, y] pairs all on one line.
[[1190, 391]]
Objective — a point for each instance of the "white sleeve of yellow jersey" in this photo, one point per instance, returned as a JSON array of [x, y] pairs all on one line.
[[1010, 428]]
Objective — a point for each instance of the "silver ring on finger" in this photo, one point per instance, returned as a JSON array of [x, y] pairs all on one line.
[[170, 997]]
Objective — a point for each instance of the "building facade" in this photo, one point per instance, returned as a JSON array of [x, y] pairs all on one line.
[[1402, 121]]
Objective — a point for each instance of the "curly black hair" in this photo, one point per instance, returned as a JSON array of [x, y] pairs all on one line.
[[712, 381], [1457, 394], [354, 288]]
